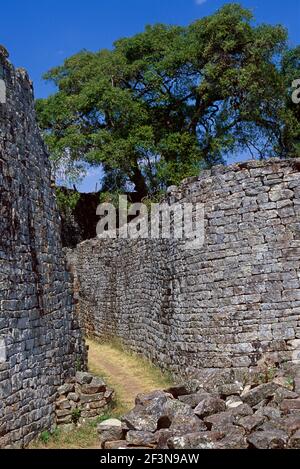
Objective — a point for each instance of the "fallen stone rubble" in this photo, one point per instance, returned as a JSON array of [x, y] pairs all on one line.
[[224, 410]]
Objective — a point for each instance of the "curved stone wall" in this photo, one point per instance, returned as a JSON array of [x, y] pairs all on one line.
[[229, 304], [40, 341]]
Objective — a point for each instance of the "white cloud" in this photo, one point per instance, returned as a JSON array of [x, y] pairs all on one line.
[[200, 2]]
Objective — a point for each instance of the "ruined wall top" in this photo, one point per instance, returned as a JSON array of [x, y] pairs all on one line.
[[11, 76]]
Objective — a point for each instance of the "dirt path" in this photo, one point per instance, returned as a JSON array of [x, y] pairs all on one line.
[[129, 375]]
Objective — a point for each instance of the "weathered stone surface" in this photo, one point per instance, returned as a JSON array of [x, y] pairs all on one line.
[[233, 401], [280, 193], [135, 438], [73, 396], [251, 422], [291, 422], [187, 423], [259, 393], [83, 378], [174, 408], [193, 399], [229, 304], [109, 431], [283, 393], [272, 413], [109, 423], [88, 398], [203, 440], [93, 388], [220, 420], [230, 389], [140, 420], [65, 421], [190, 387], [66, 388], [234, 439], [297, 384], [63, 403], [295, 440], [276, 439], [290, 404], [270, 425], [156, 397], [116, 444], [163, 437], [41, 343], [209, 405], [242, 410]]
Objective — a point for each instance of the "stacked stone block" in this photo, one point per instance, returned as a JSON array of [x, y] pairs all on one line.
[[83, 398]]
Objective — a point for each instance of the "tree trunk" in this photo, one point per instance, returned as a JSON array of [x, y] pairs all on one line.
[[139, 182]]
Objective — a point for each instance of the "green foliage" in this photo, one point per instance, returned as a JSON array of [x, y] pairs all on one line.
[[290, 382], [110, 197], [80, 437], [78, 364], [267, 374], [76, 415], [67, 200], [45, 437], [291, 112], [167, 102]]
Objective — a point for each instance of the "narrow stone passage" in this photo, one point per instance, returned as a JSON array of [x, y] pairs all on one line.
[[128, 374]]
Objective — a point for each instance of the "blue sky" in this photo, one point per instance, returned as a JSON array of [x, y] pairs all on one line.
[[40, 34]]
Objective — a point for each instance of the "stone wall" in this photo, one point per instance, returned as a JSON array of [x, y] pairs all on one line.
[[41, 344], [229, 304], [81, 399]]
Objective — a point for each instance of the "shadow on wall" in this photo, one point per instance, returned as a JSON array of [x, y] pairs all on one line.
[[80, 224]]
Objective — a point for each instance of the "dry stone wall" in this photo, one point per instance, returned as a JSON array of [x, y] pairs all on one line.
[[81, 399], [230, 304], [41, 343]]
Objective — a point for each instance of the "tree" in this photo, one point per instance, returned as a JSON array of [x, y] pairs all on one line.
[[165, 103], [290, 135]]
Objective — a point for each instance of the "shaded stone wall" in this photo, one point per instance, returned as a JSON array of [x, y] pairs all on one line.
[[40, 341], [79, 224], [229, 304]]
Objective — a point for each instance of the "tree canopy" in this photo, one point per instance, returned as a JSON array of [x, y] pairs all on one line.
[[171, 100]]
